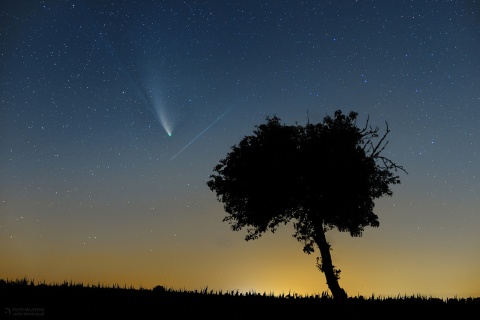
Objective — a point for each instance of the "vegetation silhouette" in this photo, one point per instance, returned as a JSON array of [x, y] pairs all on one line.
[[25, 299], [321, 176]]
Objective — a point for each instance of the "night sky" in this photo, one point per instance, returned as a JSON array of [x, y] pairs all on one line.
[[114, 114]]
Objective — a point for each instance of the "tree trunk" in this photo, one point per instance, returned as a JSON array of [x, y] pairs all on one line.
[[327, 267]]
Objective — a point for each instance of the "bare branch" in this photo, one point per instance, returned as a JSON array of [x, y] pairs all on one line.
[[389, 164], [366, 125], [375, 154]]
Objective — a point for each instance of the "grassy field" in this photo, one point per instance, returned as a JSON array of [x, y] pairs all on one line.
[[22, 299]]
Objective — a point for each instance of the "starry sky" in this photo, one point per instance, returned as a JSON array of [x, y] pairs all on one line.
[[114, 113]]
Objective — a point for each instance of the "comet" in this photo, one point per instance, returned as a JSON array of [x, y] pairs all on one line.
[[162, 118], [200, 134]]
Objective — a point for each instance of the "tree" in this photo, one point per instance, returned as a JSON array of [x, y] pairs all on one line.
[[320, 176]]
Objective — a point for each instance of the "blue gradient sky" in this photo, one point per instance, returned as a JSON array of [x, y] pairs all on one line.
[[91, 90]]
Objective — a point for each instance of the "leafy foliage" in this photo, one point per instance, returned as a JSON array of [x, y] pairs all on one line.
[[321, 176]]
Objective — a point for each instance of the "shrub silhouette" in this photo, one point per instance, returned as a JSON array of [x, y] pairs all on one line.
[[320, 176]]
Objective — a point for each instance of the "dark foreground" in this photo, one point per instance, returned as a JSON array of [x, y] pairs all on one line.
[[22, 299]]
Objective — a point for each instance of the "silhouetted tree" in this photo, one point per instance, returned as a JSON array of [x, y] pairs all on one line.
[[320, 176]]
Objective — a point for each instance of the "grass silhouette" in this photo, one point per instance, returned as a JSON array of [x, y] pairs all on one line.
[[22, 297]]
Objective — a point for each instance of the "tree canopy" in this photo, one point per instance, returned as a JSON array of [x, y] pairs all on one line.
[[320, 176]]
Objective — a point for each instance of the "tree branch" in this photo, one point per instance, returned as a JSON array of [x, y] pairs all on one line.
[[375, 154]]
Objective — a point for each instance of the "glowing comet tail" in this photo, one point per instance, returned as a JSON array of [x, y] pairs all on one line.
[[162, 118], [201, 133]]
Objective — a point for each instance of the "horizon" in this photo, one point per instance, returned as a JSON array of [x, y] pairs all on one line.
[[207, 290]]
